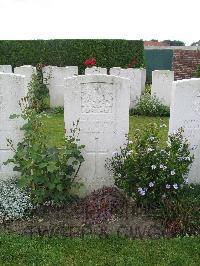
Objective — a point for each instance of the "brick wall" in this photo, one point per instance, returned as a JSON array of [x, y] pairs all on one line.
[[185, 63]]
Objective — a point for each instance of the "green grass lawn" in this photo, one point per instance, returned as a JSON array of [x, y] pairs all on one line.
[[18, 250], [55, 126]]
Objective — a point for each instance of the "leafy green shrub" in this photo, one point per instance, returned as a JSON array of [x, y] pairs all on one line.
[[38, 91], [57, 110], [108, 53], [150, 106], [148, 88], [149, 172], [197, 74], [49, 172], [14, 202]]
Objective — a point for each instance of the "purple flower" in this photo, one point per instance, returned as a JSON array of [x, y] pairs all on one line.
[[141, 191]]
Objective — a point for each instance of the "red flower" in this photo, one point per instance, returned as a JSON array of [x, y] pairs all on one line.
[[90, 62], [133, 63], [39, 66]]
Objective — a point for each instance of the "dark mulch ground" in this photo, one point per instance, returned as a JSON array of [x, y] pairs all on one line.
[[104, 212]]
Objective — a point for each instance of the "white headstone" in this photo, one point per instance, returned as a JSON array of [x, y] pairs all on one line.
[[95, 70], [12, 89], [115, 71], [185, 113], [135, 76], [162, 81], [6, 68], [54, 76], [101, 104], [28, 72], [144, 76]]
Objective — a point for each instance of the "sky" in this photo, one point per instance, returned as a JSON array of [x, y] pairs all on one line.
[[110, 19]]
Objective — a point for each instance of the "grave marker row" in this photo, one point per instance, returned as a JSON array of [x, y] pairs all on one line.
[[54, 78], [101, 104]]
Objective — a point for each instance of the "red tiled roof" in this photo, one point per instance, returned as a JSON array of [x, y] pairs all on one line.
[[154, 43]]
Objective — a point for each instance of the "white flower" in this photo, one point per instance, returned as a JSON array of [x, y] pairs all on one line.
[[163, 167], [163, 125], [119, 175], [130, 142], [153, 167], [175, 186], [173, 172], [150, 149], [13, 201], [151, 138], [151, 184], [129, 152], [168, 186]]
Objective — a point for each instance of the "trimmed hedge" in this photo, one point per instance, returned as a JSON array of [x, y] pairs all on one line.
[[108, 53]]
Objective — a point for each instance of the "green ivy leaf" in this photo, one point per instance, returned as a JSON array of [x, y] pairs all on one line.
[[52, 167], [13, 116]]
